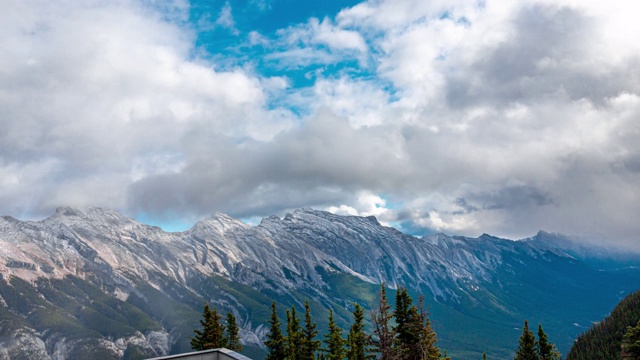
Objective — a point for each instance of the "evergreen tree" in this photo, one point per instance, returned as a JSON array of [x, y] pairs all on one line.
[[333, 341], [546, 350], [357, 339], [603, 340], [631, 343], [428, 342], [275, 343], [309, 333], [381, 318], [294, 335], [233, 338], [211, 335], [412, 345], [415, 339], [484, 356], [428, 337], [527, 345], [405, 335]]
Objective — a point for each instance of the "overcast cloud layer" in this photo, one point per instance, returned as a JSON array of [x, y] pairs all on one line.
[[462, 117]]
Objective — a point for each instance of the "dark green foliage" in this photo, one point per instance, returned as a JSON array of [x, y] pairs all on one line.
[[415, 339], [212, 334], [631, 343], [484, 356], [334, 341], [428, 338], [428, 341], [275, 343], [294, 335], [603, 340], [406, 338], [526, 345], [309, 344], [381, 318], [233, 338], [357, 340], [546, 350]]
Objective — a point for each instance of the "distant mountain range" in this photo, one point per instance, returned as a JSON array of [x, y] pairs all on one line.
[[91, 283]]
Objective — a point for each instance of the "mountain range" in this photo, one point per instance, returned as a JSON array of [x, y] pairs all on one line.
[[90, 283]]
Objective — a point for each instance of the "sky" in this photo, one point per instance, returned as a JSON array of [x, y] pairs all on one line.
[[462, 117]]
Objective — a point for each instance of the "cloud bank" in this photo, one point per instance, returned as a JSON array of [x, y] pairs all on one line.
[[455, 116]]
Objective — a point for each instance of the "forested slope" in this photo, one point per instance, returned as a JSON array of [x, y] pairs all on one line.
[[603, 340]]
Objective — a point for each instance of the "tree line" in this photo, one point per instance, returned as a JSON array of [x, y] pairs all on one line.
[[409, 337], [404, 333], [604, 340]]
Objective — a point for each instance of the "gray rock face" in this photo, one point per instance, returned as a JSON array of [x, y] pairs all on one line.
[[127, 261]]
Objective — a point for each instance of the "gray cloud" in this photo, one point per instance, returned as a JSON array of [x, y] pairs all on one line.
[[547, 55], [508, 123]]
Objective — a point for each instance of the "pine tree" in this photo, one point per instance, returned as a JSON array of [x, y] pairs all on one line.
[[233, 338], [405, 337], [631, 343], [357, 339], [527, 345], [415, 340], [309, 333], [428, 337], [275, 342], [381, 318], [414, 330], [546, 350], [211, 335], [484, 356], [294, 335], [333, 341], [603, 340]]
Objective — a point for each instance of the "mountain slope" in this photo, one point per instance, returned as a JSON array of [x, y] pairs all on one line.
[[603, 340], [87, 280]]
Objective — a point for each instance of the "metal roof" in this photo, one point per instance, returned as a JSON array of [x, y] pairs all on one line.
[[212, 354]]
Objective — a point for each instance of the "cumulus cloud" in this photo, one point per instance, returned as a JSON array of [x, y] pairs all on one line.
[[94, 94], [463, 117]]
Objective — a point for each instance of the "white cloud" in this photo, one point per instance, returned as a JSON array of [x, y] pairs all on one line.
[[225, 19], [500, 117], [366, 204], [335, 37], [91, 86]]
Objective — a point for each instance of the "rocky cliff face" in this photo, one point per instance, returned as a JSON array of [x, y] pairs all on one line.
[[91, 282]]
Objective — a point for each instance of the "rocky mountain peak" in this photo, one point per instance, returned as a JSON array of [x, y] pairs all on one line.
[[307, 253]]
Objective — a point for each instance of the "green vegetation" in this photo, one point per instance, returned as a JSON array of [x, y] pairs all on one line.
[[405, 333], [334, 342], [603, 340], [545, 349], [294, 335], [276, 342], [411, 339], [82, 310], [530, 349], [309, 344], [631, 343], [357, 339], [233, 338], [214, 334], [526, 345]]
